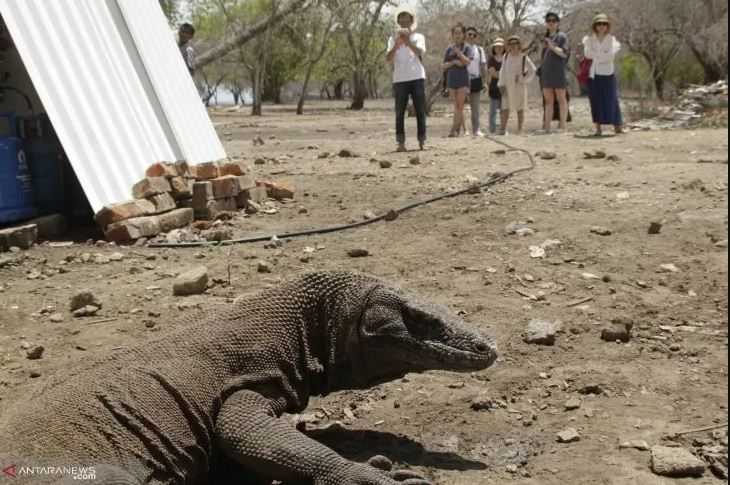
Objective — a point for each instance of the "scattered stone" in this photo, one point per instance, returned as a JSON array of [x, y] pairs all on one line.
[[133, 229], [537, 252], [175, 219], [83, 299], [655, 228], [151, 186], [56, 318], [385, 164], [358, 253], [545, 155], [676, 463], [669, 268], [618, 332], [87, 311], [484, 403], [22, 237], [415, 160], [218, 234], [595, 155], [193, 282], [570, 435], [346, 153], [573, 404], [542, 332], [601, 231], [635, 445], [276, 191], [35, 353], [264, 267]]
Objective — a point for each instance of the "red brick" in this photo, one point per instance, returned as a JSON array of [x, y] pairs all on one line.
[[176, 219], [163, 203], [162, 169], [257, 194], [246, 182], [208, 171], [22, 237], [126, 210], [276, 191], [182, 188], [215, 207], [202, 193], [193, 171], [133, 229], [151, 186], [183, 168], [225, 187], [234, 168]]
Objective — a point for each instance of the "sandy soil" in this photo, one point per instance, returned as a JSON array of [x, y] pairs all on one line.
[[671, 377]]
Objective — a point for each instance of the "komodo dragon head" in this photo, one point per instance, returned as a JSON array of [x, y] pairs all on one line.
[[386, 333]]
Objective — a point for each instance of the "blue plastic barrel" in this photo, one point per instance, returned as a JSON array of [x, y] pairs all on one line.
[[16, 188]]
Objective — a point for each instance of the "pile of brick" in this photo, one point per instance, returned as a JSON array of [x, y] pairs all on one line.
[[174, 195]]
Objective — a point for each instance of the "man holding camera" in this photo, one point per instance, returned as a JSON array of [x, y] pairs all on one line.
[[406, 49]]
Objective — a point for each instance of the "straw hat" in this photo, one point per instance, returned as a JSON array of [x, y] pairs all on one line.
[[408, 10], [499, 42], [601, 18]]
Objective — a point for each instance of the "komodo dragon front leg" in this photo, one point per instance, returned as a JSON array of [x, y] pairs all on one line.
[[250, 432]]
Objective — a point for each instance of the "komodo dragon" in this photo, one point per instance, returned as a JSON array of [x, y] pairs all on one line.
[[159, 413]]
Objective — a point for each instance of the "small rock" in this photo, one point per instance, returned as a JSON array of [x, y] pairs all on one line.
[[358, 253], [655, 228], [415, 160], [56, 318], [386, 164], [35, 353], [87, 311], [542, 332], [192, 282], [573, 404], [116, 257], [264, 267], [570, 435], [595, 155], [635, 445], [545, 155], [346, 153], [669, 268], [676, 463], [83, 299], [484, 403], [617, 332], [537, 252], [601, 231]]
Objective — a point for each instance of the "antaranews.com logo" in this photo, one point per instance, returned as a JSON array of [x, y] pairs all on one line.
[[77, 473]]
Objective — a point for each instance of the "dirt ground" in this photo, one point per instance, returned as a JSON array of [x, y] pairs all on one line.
[[671, 377]]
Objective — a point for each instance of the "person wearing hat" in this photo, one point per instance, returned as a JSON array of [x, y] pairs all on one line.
[[554, 72], [406, 49], [494, 66], [477, 76], [601, 47], [517, 72]]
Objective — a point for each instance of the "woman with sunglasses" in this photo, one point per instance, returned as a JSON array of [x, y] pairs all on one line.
[[456, 61], [477, 75], [601, 47], [554, 72]]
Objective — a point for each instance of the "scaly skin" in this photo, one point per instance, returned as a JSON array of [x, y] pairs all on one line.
[[160, 413]]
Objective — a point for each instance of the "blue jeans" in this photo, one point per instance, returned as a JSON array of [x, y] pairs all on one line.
[[495, 108], [402, 91]]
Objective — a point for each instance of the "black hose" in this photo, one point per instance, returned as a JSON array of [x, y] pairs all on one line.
[[389, 216], [21, 93]]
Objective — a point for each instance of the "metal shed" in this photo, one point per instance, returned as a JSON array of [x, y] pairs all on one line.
[[112, 81]]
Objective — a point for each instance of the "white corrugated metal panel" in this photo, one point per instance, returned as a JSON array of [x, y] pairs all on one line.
[[96, 88], [189, 119]]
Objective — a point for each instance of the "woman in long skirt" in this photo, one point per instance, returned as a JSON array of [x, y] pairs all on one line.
[[601, 47]]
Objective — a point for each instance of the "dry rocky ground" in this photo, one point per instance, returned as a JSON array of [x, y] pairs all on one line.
[[672, 286]]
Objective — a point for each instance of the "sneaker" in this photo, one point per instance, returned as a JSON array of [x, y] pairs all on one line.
[[479, 134]]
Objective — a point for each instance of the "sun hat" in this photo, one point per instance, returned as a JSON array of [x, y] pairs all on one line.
[[514, 38], [407, 10], [498, 42], [601, 18]]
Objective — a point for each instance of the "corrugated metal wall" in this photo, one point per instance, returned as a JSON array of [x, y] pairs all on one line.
[[115, 88]]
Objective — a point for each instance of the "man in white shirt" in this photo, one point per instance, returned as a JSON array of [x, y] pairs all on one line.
[[405, 53], [477, 75]]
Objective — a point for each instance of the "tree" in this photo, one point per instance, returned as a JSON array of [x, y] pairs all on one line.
[[360, 22], [319, 27], [706, 34]]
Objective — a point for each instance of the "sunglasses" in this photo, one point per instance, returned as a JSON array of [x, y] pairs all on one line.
[[602, 24], [472, 34]]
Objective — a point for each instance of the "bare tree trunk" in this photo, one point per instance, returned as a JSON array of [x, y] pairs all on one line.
[[360, 90], [247, 34], [339, 90], [305, 89]]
